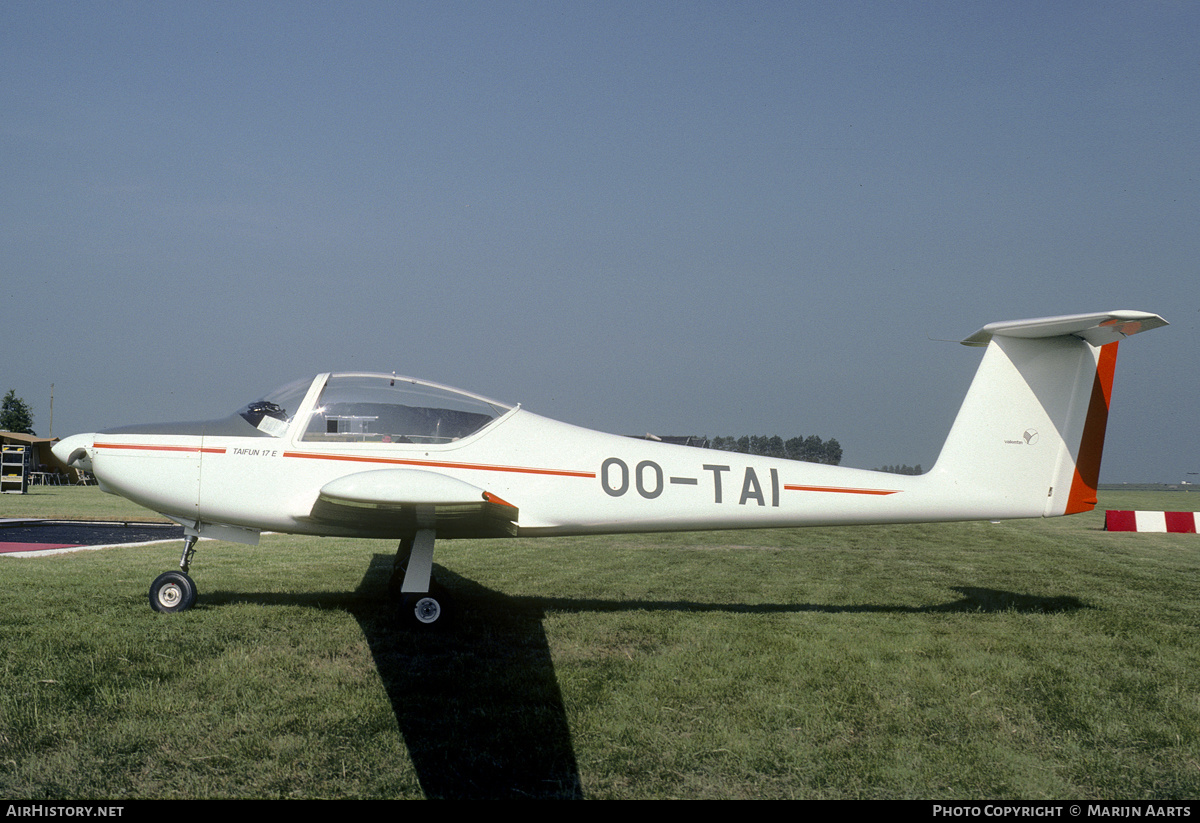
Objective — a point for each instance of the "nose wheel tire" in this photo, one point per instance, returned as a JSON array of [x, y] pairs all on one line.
[[172, 592]]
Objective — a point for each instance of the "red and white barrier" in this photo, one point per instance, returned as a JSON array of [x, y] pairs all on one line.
[[1176, 522]]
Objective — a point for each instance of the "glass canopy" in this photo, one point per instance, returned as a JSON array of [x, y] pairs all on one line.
[[379, 408]]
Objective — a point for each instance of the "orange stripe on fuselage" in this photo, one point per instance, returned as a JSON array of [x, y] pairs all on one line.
[[150, 448], [1091, 445], [838, 490]]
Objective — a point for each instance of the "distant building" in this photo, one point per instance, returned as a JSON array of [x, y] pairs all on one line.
[[38, 457]]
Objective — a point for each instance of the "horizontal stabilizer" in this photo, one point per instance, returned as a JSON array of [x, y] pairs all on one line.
[[1098, 329]]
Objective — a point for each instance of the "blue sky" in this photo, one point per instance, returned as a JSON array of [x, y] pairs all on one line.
[[714, 218]]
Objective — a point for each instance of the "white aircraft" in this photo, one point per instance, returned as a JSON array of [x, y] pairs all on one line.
[[383, 456]]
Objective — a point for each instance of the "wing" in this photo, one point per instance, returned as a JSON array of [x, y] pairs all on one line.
[[391, 502]]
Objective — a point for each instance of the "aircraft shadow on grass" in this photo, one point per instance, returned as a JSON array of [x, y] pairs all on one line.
[[478, 703], [974, 599]]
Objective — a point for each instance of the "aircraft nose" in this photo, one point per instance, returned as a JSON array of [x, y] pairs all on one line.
[[75, 451]]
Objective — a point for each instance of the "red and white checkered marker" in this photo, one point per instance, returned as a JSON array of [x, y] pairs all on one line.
[[1176, 522]]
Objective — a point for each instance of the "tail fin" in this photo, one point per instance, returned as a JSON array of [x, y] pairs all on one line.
[[1028, 438]]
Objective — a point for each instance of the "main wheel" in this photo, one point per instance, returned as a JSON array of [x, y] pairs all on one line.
[[172, 592], [428, 610]]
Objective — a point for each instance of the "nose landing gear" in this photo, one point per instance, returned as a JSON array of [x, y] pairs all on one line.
[[172, 592], [175, 591]]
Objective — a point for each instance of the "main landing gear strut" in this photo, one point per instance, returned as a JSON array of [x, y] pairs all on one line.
[[175, 591], [422, 602]]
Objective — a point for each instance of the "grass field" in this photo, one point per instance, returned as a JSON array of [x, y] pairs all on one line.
[[1026, 659]]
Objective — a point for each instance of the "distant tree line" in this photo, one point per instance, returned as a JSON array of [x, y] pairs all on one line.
[[15, 414], [901, 469], [811, 449]]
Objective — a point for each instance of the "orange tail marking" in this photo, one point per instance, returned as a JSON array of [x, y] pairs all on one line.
[[1091, 445]]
